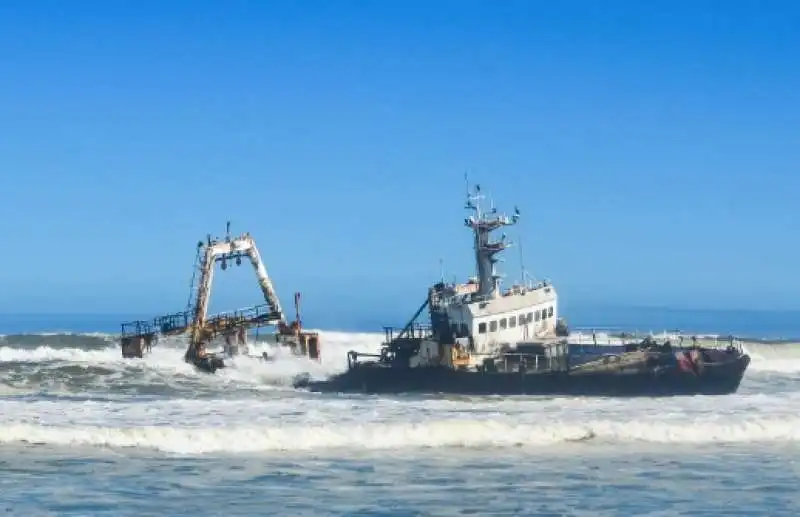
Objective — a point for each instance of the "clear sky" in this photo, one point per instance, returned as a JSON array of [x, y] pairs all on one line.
[[652, 148]]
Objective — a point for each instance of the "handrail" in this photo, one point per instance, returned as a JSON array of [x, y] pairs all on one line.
[[140, 328], [181, 321], [171, 323]]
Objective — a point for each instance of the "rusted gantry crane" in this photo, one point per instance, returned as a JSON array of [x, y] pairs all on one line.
[[138, 337]]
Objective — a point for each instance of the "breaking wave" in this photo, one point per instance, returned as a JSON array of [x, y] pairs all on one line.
[[774, 357], [76, 363], [76, 390], [467, 433]]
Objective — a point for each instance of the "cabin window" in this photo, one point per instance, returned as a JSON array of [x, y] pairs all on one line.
[[503, 324], [493, 326], [530, 317], [550, 312], [512, 322], [482, 328], [544, 314], [538, 315]]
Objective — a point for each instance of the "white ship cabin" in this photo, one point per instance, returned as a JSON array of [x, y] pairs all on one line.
[[518, 314]]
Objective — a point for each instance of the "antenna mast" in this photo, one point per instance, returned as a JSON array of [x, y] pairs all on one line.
[[523, 272], [521, 260], [486, 251], [469, 206]]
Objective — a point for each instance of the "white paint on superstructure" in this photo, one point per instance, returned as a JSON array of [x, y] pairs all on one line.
[[515, 316]]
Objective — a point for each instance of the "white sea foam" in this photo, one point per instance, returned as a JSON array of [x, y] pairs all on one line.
[[232, 417], [782, 357], [434, 433], [294, 422], [167, 356]]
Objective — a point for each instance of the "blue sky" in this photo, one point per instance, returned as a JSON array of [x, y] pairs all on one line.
[[652, 148]]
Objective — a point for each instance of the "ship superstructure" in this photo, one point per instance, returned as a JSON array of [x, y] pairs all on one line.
[[472, 322], [201, 328], [479, 313]]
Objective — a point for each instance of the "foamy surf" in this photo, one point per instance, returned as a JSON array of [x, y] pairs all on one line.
[[161, 403], [463, 433], [71, 370], [774, 357]]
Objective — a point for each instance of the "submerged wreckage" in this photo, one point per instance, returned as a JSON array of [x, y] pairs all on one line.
[[480, 340], [138, 337]]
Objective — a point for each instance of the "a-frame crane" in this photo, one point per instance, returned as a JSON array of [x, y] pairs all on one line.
[[139, 336]]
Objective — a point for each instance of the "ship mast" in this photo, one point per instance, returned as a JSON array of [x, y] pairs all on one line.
[[486, 251]]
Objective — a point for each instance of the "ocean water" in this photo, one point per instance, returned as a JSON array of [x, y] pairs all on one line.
[[84, 432]]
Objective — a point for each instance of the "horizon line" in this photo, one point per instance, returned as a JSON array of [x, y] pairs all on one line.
[[612, 305]]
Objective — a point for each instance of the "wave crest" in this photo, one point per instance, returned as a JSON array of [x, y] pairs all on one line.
[[432, 434]]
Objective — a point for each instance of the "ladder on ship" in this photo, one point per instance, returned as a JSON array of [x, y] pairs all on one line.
[[193, 286]]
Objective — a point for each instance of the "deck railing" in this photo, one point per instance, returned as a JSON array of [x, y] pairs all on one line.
[[676, 338], [137, 328], [417, 330], [180, 322]]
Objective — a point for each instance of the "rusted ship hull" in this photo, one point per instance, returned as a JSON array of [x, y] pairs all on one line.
[[372, 378]]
